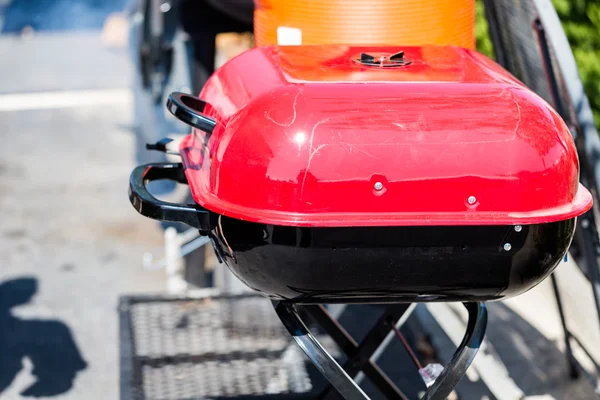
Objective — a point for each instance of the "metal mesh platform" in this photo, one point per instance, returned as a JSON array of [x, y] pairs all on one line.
[[211, 348]]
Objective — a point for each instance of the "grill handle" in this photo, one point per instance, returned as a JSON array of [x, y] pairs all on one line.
[[190, 109], [149, 206]]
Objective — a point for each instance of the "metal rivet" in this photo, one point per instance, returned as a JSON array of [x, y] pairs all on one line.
[[507, 246], [378, 186], [471, 200], [585, 224], [518, 228], [165, 7]]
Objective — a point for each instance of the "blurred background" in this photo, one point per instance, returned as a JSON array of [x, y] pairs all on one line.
[[75, 114], [581, 21]]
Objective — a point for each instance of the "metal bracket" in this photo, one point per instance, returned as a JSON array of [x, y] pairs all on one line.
[[182, 243], [163, 146]]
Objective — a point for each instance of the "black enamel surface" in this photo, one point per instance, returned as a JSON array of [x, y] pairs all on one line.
[[389, 264]]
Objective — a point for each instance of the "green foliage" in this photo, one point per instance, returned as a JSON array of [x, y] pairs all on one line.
[[482, 38], [581, 22]]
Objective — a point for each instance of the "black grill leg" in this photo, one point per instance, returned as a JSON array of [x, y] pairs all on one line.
[[330, 369], [359, 355], [464, 355]]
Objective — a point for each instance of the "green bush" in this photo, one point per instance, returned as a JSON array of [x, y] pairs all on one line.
[[581, 22]]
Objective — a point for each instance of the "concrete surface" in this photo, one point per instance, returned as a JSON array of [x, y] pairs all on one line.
[[58, 61], [66, 221]]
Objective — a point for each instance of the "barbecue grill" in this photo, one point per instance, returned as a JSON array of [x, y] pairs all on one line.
[[349, 174]]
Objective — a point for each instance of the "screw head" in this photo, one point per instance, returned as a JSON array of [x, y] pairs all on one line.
[[378, 186], [507, 246], [518, 228], [165, 7], [471, 199]]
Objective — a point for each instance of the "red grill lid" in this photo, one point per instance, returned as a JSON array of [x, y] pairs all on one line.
[[311, 136]]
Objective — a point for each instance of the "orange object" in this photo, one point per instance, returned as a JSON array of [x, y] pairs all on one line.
[[371, 22]]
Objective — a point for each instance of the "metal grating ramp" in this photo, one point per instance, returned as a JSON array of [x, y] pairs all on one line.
[[209, 348]]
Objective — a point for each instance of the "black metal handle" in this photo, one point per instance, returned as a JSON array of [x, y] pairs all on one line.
[[149, 206], [190, 109]]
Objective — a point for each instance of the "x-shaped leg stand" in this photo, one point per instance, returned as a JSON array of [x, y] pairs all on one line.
[[359, 355]]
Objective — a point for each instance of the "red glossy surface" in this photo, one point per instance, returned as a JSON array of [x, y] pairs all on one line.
[[305, 133]]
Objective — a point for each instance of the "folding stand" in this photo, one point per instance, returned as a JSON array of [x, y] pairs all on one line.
[[359, 355]]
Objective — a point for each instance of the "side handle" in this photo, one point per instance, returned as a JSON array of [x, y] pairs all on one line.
[[190, 109], [149, 206]]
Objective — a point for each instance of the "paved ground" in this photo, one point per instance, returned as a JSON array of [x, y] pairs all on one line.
[[70, 243], [67, 229]]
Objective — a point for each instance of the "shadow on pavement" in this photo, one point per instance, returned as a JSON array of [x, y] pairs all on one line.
[[533, 361], [49, 344]]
